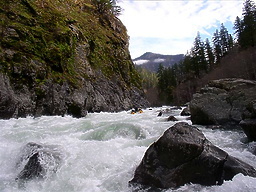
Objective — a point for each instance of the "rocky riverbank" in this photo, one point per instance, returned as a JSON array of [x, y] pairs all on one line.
[[228, 103], [183, 155]]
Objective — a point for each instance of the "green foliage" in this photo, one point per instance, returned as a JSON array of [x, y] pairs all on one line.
[[107, 7], [43, 35], [245, 27], [209, 56], [166, 83], [200, 60], [204, 56]]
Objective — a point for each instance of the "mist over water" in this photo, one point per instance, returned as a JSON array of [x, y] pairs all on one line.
[[99, 153]]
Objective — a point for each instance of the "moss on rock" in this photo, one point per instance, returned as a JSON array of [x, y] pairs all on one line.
[[63, 41]]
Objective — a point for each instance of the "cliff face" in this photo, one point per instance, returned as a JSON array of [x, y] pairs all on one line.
[[64, 57]]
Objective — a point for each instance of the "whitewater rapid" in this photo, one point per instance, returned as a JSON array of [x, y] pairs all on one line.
[[99, 153]]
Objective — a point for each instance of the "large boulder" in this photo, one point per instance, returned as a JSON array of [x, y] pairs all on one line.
[[224, 102], [183, 155]]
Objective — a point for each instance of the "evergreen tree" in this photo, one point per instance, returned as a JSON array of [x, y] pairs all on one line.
[[216, 46], [245, 28], [160, 76], [166, 83], [249, 23], [209, 55], [224, 39], [198, 56], [238, 29], [230, 42], [186, 65], [149, 79]]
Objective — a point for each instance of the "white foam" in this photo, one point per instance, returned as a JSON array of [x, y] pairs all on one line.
[[101, 151]]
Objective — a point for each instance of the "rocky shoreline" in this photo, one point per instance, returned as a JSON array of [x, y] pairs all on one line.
[[63, 99], [227, 103], [183, 155]]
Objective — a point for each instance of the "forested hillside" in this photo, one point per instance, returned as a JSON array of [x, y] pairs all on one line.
[[222, 57]]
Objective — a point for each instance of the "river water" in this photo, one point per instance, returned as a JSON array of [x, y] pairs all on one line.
[[99, 153]]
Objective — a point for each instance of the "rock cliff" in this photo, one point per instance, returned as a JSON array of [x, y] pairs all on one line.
[[64, 57]]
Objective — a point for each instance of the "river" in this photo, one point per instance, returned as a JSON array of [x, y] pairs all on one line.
[[99, 153]]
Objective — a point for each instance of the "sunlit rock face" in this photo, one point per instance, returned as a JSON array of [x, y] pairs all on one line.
[[224, 102], [183, 155]]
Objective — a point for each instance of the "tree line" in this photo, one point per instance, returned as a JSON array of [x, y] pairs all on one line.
[[204, 56]]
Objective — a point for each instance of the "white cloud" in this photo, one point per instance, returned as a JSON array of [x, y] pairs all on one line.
[[169, 27], [141, 61], [159, 60]]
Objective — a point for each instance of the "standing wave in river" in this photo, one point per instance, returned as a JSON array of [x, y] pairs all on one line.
[[100, 152]]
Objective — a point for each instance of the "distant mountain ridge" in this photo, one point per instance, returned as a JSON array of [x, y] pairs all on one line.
[[151, 61]]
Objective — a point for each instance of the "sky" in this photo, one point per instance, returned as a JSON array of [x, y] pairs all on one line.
[[170, 26]]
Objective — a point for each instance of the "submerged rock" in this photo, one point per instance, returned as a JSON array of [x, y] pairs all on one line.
[[36, 162], [172, 118], [160, 114], [183, 155], [224, 102], [185, 112], [249, 127], [252, 147], [33, 169]]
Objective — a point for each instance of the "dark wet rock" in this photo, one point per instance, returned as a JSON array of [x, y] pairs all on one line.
[[183, 155], [160, 114], [172, 118], [252, 147], [224, 102], [55, 99], [33, 169], [249, 128], [185, 112], [36, 162]]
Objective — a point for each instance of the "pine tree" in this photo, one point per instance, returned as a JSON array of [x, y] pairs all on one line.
[[245, 28], [160, 76], [230, 42], [216, 46], [249, 23], [198, 56], [209, 55], [238, 29], [224, 40]]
